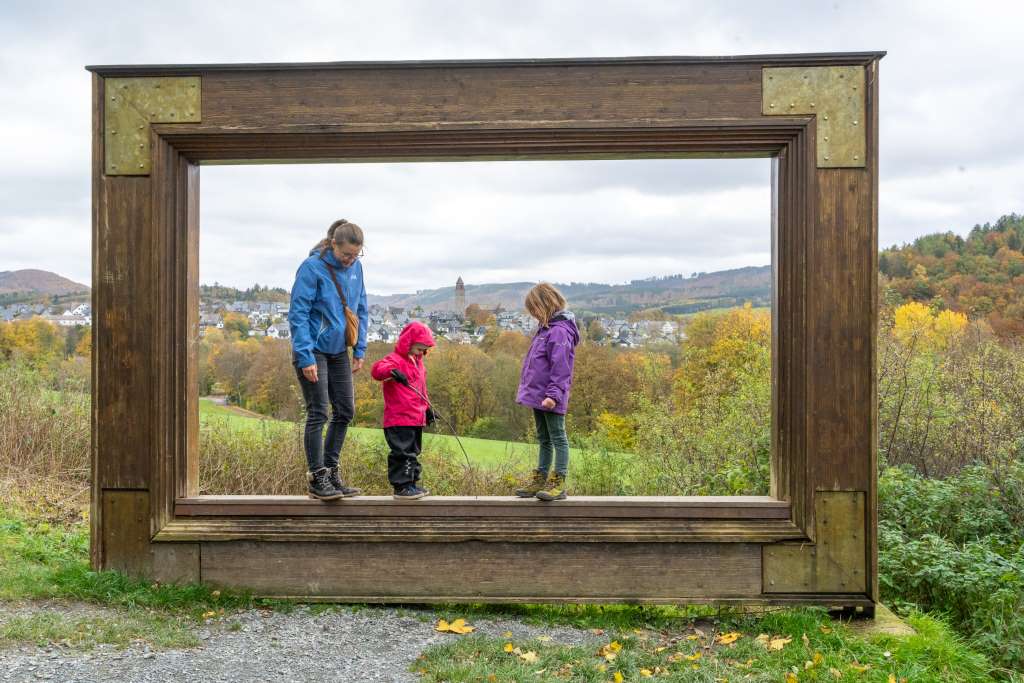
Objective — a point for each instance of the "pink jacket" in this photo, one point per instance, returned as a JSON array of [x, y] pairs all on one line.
[[402, 407]]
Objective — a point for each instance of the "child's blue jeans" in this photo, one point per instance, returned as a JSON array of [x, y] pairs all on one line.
[[551, 437]]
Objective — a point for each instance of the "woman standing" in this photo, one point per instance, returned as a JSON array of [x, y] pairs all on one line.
[[323, 327]]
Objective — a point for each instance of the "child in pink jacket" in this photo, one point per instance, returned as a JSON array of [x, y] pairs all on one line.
[[405, 411]]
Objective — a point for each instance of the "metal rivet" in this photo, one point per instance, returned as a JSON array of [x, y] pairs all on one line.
[[141, 166], [826, 117], [113, 132], [826, 138], [771, 106], [772, 582], [141, 145], [826, 159], [855, 122], [812, 105], [791, 105], [855, 158], [140, 127], [113, 99]]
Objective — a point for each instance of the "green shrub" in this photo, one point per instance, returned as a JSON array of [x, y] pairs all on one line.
[[953, 547]]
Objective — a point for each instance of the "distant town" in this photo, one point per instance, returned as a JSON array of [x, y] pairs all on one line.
[[459, 321]]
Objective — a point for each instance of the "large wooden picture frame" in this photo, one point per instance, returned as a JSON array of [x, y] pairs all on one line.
[[813, 540]]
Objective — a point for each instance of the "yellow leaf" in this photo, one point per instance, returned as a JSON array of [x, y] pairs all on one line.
[[836, 673], [660, 649], [646, 673], [211, 613], [602, 668], [615, 646], [779, 643], [618, 678], [508, 647], [692, 637], [529, 657], [791, 677], [726, 638], [215, 594], [610, 656], [507, 634], [892, 678], [694, 657], [860, 667], [491, 678], [818, 658], [458, 626], [824, 629]]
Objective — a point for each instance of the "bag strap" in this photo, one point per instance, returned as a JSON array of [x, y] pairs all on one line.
[[334, 278]]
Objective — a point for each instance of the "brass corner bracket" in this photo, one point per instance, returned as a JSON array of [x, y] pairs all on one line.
[[836, 562], [835, 94], [131, 104]]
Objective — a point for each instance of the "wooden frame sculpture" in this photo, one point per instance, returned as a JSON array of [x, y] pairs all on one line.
[[813, 540]]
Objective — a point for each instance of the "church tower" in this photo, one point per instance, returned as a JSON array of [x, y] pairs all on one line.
[[460, 296]]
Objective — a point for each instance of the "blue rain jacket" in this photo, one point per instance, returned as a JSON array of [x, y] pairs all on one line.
[[315, 316]]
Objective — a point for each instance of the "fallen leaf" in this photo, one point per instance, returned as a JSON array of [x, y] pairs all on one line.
[[215, 594], [836, 673], [211, 613], [618, 678], [779, 643], [824, 629], [860, 667], [892, 678], [646, 673], [660, 649], [791, 677], [507, 634], [458, 626], [807, 641], [727, 638], [491, 678], [818, 658], [602, 668], [509, 647], [610, 656], [762, 639], [529, 657], [694, 657], [615, 646], [692, 637]]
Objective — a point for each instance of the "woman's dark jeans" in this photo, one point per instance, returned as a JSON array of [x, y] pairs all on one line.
[[551, 437], [333, 387]]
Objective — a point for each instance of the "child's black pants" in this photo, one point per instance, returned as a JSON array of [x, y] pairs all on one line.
[[406, 443]]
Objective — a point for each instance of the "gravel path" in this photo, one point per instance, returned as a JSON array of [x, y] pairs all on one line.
[[341, 644]]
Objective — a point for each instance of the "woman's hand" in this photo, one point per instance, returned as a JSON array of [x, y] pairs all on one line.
[[309, 372], [357, 365], [548, 403]]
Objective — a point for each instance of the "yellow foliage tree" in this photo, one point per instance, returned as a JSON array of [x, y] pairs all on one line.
[[915, 324]]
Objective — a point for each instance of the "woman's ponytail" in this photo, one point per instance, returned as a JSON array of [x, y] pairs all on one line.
[[341, 231]]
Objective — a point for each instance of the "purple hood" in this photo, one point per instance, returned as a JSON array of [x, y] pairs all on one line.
[[547, 368]]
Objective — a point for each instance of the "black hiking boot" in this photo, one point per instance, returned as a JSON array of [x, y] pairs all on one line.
[[534, 484], [408, 492], [554, 490], [346, 491], [320, 485]]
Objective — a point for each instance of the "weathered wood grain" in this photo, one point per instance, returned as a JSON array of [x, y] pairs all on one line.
[[541, 571]]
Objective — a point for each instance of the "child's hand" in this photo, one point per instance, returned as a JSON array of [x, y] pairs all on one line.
[[548, 403]]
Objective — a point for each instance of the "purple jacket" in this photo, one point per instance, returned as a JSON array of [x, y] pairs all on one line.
[[547, 368]]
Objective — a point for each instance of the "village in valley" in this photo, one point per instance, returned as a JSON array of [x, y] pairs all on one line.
[[458, 321]]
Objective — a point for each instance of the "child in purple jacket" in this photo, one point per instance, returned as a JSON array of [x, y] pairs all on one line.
[[544, 386]]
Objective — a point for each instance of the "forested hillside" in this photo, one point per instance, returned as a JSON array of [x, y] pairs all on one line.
[[981, 276]]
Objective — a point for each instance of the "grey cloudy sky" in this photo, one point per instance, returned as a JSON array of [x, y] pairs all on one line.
[[952, 149]]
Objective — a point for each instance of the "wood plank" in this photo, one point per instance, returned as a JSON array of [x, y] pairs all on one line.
[[126, 532], [470, 570], [277, 100], [452, 529], [652, 507], [841, 319], [122, 334]]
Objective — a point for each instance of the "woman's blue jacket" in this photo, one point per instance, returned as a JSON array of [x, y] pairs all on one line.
[[315, 316]]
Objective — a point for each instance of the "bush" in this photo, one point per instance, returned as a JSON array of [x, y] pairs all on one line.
[[956, 547]]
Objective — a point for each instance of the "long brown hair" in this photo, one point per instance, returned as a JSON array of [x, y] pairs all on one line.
[[543, 301], [341, 230]]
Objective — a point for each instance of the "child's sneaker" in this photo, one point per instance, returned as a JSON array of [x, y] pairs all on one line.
[[555, 488], [408, 492], [421, 489], [535, 483]]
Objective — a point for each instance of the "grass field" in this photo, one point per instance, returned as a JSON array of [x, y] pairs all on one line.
[[481, 451]]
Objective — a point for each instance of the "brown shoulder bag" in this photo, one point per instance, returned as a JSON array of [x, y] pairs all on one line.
[[351, 320]]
